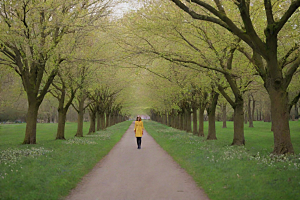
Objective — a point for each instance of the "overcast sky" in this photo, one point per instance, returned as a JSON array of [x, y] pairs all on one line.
[[122, 8]]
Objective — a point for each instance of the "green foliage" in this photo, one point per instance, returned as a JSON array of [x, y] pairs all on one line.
[[232, 172], [50, 169]]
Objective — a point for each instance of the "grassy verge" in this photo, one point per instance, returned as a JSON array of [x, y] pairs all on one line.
[[51, 168], [230, 172]]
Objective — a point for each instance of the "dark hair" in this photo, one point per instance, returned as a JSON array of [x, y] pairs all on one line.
[[137, 118]]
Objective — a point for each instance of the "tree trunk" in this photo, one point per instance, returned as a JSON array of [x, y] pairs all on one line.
[[174, 120], [195, 121], [250, 116], [48, 118], [107, 120], [163, 116], [260, 114], [177, 121], [166, 118], [280, 121], [181, 120], [224, 115], [184, 124], [92, 121], [253, 108], [98, 121], [115, 121], [31, 120], [238, 123], [201, 121], [118, 118], [245, 115], [62, 114], [112, 121], [102, 120], [188, 121], [211, 110], [79, 132]]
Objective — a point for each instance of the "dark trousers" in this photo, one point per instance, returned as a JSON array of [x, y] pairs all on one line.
[[139, 141]]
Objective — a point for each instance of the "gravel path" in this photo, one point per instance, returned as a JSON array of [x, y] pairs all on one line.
[[128, 173]]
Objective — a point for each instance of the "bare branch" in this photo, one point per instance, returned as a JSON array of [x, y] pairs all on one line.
[[291, 10], [157, 74], [250, 37], [192, 62], [200, 17], [283, 60], [47, 85], [269, 12], [291, 71], [256, 60], [226, 96], [220, 6], [294, 101]]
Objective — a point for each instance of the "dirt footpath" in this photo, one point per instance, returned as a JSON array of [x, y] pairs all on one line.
[[128, 173]]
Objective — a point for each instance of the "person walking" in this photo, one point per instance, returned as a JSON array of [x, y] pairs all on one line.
[[138, 130]]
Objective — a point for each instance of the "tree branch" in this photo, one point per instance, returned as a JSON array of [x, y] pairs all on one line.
[[269, 12], [191, 62], [293, 7], [256, 60], [294, 101], [200, 17], [54, 95], [226, 96], [47, 85], [56, 87], [291, 71], [77, 110], [155, 73], [220, 6], [283, 60], [187, 41], [244, 11], [250, 37]]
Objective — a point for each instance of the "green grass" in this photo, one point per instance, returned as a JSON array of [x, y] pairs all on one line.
[[51, 168], [231, 172]]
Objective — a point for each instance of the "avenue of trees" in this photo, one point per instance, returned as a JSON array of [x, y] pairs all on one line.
[[219, 51], [175, 60], [274, 64], [57, 48]]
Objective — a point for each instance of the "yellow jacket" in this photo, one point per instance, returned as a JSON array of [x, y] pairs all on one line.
[[138, 127]]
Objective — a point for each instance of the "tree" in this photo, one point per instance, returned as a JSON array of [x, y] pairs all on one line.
[[84, 75], [64, 88], [278, 72], [93, 114], [211, 110], [196, 46], [30, 41]]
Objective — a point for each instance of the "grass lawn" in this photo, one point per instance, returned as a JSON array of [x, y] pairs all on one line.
[[51, 168], [231, 172]]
